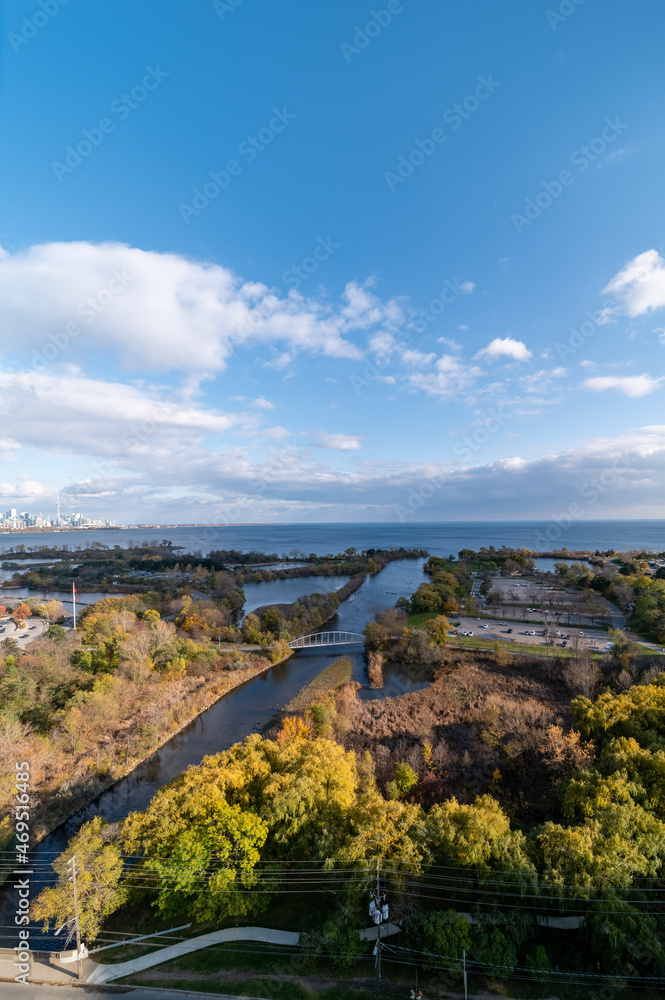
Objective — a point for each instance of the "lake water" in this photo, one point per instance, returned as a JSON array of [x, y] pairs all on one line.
[[287, 591], [439, 538]]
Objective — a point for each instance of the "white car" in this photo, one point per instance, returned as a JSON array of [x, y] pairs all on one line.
[[484, 626], [503, 623]]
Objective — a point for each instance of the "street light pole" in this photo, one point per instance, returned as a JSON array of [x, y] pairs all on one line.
[[76, 919], [378, 910]]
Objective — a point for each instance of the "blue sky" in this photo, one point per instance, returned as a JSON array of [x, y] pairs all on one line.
[[326, 262]]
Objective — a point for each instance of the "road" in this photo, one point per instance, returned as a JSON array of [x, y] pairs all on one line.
[[38, 991], [34, 628]]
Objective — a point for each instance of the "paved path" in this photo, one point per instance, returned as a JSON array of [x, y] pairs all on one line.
[[106, 973]]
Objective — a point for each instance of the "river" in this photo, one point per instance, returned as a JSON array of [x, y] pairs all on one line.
[[243, 711]]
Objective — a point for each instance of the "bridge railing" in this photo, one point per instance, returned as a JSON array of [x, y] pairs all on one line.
[[336, 638]]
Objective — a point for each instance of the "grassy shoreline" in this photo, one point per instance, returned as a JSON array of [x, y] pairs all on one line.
[[198, 707]]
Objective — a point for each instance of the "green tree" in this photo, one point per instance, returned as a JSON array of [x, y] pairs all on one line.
[[338, 938], [438, 932], [198, 849], [99, 870], [17, 690], [404, 781], [493, 948], [477, 835]]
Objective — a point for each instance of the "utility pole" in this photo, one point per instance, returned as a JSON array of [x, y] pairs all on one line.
[[378, 911], [464, 971], [76, 919]]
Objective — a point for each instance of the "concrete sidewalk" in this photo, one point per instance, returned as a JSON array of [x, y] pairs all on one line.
[[41, 969], [97, 974], [105, 973]]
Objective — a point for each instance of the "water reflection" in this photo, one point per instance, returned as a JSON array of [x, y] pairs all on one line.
[[245, 710]]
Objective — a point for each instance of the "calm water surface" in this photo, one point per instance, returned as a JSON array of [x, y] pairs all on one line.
[[245, 710], [439, 538]]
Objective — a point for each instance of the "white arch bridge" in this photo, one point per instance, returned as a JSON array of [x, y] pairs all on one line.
[[326, 639]]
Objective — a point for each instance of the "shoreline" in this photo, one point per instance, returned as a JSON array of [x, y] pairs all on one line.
[[136, 762], [208, 703]]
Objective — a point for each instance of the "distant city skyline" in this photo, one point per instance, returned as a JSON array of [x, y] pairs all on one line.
[[323, 262], [18, 520]]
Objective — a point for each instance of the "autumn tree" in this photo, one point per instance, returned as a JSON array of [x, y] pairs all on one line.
[[20, 613], [199, 851], [54, 611], [99, 870], [438, 629]]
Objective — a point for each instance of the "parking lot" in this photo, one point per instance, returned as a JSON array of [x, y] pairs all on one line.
[[533, 633]]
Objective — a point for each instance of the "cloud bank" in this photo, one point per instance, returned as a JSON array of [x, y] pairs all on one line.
[[162, 311]]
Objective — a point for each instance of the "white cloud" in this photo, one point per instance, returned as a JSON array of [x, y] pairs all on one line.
[[639, 287], [624, 476], [453, 377], [417, 358], [263, 404], [541, 381], [338, 442], [449, 343], [275, 433], [634, 386], [467, 287], [164, 311], [113, 426], [505, 347]]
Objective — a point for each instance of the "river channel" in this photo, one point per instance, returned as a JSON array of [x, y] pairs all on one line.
[[244, 710]]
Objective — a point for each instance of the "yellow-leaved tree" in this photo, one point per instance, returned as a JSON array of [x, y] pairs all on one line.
[[99, 869]]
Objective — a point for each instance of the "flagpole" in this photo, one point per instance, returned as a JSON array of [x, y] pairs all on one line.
[[74, 598]]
